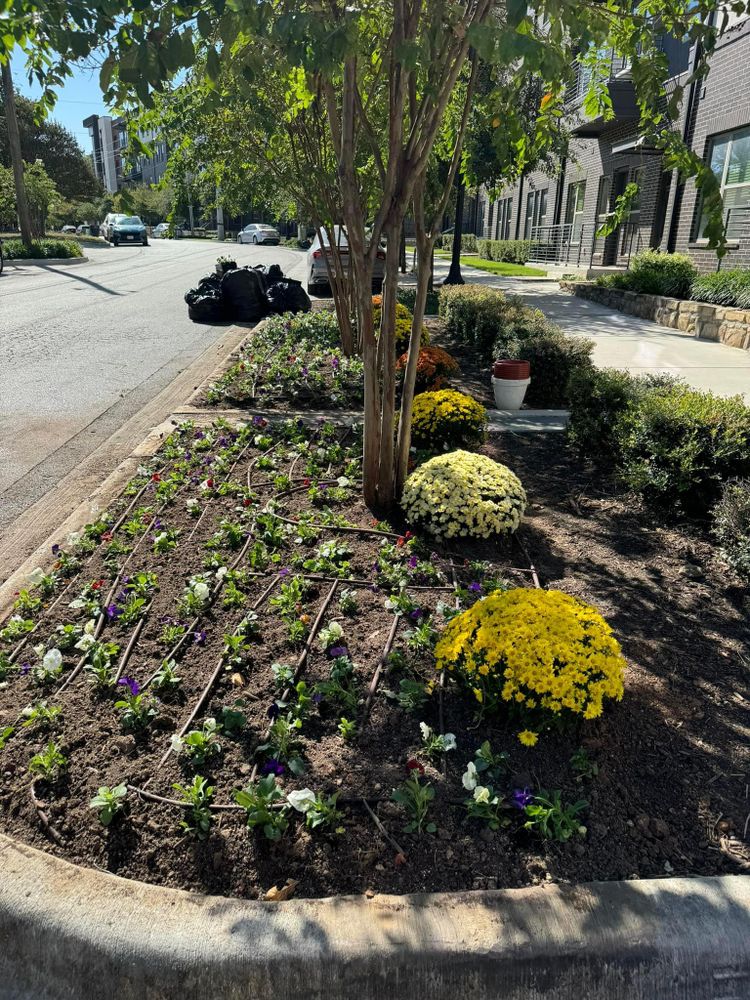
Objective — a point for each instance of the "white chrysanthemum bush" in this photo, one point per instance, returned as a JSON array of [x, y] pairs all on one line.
[[463, 494]]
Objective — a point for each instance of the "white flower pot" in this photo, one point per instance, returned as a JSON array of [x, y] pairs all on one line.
[[509, 392]]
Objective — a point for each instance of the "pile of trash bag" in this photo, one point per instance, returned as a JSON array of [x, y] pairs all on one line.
[[245, 294]]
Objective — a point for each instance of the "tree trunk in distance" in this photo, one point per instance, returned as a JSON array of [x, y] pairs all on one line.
[[454, 274], [14, 141]]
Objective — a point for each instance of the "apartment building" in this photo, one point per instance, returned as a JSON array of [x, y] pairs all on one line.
[[109, 140], [562, 211]]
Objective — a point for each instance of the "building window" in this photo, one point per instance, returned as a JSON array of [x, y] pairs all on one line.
[[574, 210], [729, 157], [602, 200], [536, 211], [502, 223]]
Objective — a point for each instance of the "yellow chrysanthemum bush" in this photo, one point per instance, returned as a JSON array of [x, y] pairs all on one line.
[[463, 494], [447, 419], [403, 324], [544, 653]]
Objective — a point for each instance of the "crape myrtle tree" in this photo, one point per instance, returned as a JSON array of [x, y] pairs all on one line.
[[384, 72]]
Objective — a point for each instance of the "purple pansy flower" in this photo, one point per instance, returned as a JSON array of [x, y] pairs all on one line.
[[335, 363], [284, 571], [132, 685], [273, 712], [412, 562], [258, 421], [475, 587], [112, 612], [416, 614], [273, 766], [336, 651], [317, 698], [55, 549], [25, 669], [199, 638], [522, 797]]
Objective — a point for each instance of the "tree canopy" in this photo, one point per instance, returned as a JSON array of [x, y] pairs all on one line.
[[46, 140]]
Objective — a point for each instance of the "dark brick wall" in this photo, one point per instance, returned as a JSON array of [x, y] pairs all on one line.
[[723, 104]]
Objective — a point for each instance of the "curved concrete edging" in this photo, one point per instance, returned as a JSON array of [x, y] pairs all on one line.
[[41, 261], [69, 933]]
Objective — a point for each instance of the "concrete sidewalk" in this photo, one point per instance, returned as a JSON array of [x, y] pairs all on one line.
[[638, 345]]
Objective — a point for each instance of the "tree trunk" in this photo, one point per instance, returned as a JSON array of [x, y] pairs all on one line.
[[387, 338], [454, 274], [14, 141]]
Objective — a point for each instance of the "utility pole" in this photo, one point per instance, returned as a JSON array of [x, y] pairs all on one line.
[[14, 141]]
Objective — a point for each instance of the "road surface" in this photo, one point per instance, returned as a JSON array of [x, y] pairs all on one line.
[[84, 347]]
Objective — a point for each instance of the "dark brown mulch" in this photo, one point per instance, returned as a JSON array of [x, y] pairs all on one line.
[[669, 795]]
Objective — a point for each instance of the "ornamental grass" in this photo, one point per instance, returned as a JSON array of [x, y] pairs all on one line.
[[543, 653]]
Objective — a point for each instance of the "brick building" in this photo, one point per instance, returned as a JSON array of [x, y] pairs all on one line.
[[561, 211], [109, 140]]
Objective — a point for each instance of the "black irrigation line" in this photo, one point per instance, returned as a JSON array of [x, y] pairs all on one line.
[[208, 688], [337, 527], [131, 644], [53, 834]]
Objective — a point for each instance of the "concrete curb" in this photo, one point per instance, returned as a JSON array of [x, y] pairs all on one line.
[[74, 934], [23, 261]]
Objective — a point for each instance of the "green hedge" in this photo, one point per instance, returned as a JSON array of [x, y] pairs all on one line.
[[725, 288], [468, 243], [731, 525], [655, 273], [508, 251], [502, 326], [407, 297], [41, 249], [671, 444]]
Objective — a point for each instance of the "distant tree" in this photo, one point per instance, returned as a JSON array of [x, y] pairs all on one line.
[[152, 204], [57, 148], [41, 193], [7, 199]]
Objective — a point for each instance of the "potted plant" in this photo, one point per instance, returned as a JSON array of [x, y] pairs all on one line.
[[510, 380], [224, 264]]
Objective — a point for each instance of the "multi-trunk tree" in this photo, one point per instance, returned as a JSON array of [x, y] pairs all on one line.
[[386, 80]]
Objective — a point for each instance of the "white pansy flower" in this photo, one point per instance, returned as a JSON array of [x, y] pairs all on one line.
[[200, 590], [221, 572], [192, 505], [470, 777], [161, 537], [301, 800], [449, 742], [343, 481], [52, 661], [74, 538], [426, 731], [36, 576], [38, 649], [481, 794]]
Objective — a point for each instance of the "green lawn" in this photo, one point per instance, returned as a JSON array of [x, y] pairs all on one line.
[[497, 266]]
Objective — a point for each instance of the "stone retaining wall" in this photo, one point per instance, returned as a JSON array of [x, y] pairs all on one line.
[[696, 319]]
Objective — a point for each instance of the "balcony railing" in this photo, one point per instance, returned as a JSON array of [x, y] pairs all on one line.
[[565, 243], [576, 90]]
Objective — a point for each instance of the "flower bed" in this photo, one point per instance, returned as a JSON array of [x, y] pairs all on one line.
[[224, 688], [291, 362]]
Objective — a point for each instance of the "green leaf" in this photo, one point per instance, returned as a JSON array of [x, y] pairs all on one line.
[[204, 24], [213, 65]]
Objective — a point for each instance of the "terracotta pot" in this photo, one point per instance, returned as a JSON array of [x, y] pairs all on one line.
[[507, 369]]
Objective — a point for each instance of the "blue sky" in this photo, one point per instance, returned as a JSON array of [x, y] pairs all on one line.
[[79, 98]]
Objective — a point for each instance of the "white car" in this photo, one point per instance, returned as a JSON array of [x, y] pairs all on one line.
[[320, 259], [110, 221], [259, 232]]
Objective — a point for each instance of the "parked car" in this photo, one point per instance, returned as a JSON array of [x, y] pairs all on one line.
[[109, 220], [320, 259], [259, 232], [68, 229], [128, 229]]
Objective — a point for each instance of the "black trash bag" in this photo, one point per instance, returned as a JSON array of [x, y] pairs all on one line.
[[288, 296], [243, 295], [212, 282], [270, 274], [207, 308]]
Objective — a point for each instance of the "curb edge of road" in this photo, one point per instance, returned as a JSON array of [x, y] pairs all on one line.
[[41, 262], [66, 928]]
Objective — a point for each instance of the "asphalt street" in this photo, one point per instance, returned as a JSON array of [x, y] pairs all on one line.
[[84, 347]]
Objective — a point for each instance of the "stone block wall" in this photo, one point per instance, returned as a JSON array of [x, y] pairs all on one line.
[[695, 319]]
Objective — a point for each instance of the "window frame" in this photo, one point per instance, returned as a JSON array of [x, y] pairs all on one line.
[[535, 218], [573, 212], [730, 137]]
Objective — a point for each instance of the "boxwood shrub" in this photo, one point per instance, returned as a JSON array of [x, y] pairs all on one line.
[[731, 525], [510, 251], [673, 445], [655, 273], [468, 243]]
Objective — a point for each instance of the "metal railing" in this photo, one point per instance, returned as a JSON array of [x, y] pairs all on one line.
[[582, 73], [564, 243]]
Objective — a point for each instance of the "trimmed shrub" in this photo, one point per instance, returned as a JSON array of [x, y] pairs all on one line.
[[554, 359], [468, 243], [462, 494], [447, 419], [434, 365], [41, 250], [679, 445], [542, 652], [508, 251], [598, 398], [655, 273], [407, 296], [403, 325], [473, 314], [725, 288], [731, 518]]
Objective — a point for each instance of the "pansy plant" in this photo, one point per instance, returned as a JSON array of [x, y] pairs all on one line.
[[483, 802], [199, 745], [136, 709], [265, 807], [319, 810], [109, 802], [197, 797], [434, 743]]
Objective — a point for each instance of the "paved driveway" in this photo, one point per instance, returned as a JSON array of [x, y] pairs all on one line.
[[83, 348], [621, 341]]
